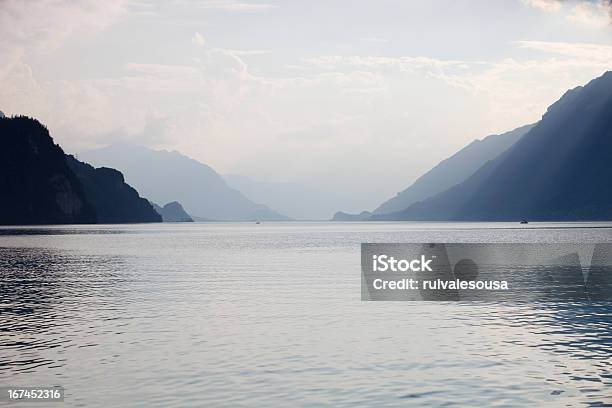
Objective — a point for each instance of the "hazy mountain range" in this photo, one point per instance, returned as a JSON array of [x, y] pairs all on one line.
[[561, 169], [164, 176], [299, 201], [453, 170], [557, 169]]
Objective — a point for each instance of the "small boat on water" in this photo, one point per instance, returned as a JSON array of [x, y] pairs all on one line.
[[257, 222], [524, 222]]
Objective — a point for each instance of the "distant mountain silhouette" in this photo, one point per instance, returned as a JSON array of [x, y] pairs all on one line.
[[172, 212], [164, 176], [296, 200], [36, 183], [202, 219], [113, 200], [560, 170], [453, 170], [342, 216]]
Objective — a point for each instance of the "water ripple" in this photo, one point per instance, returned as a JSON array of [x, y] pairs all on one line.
[[228, 315]]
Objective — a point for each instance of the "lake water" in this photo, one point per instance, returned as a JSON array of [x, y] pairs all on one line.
[[215, 314]]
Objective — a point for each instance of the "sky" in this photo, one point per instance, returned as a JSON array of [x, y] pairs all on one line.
[[355, 96]]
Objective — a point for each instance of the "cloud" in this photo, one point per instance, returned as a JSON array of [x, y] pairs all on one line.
[[215, 105], [232, 5], [592, 14], [154, 132], [244, 110], [544, 5], [198, 39], [41, 27], [586, 52], [595, 13], [509, 91], [403, 63]]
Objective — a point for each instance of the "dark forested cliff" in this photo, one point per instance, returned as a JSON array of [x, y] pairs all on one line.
[[114, 200], [36, 184], [39, 184]]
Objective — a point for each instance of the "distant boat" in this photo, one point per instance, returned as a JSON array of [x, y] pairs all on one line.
[[524, 222], [257, 222]]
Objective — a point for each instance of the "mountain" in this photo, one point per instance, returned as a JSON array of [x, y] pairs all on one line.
[[296, 200], [560, 170], [342, 216], [453, 170], [113, 200], [172, 212], [37, 185], [164, 176]]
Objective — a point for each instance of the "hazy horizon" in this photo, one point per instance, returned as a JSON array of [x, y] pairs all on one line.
[[361, 99]]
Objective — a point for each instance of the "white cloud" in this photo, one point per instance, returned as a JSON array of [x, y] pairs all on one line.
[[198, 39], [257, 110], [40, 27], [595, 13], [588, 53], [232, 5], [544, 5], [216, 109], [510, 91], [592, 14], [30, 30], [403, 63]]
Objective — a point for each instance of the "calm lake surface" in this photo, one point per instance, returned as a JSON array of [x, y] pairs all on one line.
[[215, 314]]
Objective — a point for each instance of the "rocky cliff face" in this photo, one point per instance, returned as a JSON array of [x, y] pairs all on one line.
[[114, 200], [41, 185], [173, 212], [36, 183]]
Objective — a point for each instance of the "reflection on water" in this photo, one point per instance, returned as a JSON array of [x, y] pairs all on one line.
[[270, 315], [579, 331], [40, 291]]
